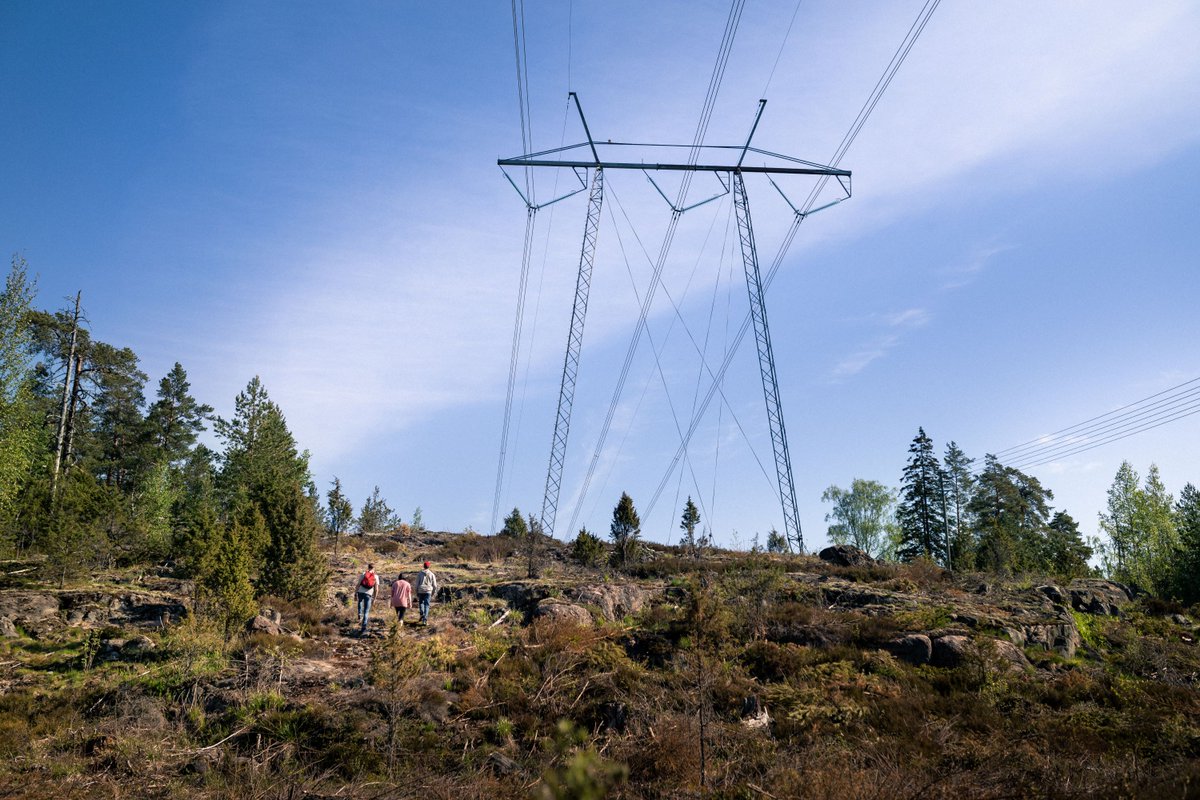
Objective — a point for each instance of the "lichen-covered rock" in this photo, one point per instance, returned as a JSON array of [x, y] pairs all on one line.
[[1061, 637], [8, 628], [1054, 594], [1096, 596], [558, 611], [615, 601]]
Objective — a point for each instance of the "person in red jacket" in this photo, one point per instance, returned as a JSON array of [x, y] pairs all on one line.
[[368, 587], [401, 597]]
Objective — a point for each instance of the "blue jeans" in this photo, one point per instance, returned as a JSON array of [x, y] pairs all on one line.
[[364, 607], [423, 606]]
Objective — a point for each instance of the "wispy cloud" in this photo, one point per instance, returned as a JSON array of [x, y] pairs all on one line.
[[894, 325]]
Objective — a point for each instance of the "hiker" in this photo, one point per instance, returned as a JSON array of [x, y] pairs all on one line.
[[426, 588], [365, 595], [401, 597]]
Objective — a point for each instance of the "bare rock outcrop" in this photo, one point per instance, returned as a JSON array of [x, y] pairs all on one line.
[[615, 601]]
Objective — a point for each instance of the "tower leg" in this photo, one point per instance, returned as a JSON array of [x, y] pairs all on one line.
[[766, 365], [566, 392]]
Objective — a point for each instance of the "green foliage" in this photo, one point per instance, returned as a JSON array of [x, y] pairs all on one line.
[[340, 514], [176, 418], [1066, 552], [777, 542], [18, 420], [514, 525], [625, 531], [959, 485], [1140, 523], [376, 514], [921, 512], [1011, 511], [583, 774], [587, 549], [863, 516], [293, 568], [688, 523], [223, 590], [1187, 569], [418, 521]]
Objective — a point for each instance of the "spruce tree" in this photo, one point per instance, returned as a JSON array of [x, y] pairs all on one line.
[[959, 485], [376, 514], [920, 513], [340, 514], [514, 525], [688, 523], [625, 531]]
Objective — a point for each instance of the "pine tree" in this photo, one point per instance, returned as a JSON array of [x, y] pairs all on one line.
[[1011, 513], [1067, 553], [920, 513], [688, 523], [175, 419], [1187, 522], [260, 453], [625, 531]]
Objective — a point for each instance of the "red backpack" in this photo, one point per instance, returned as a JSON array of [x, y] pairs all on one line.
[[368, 580]]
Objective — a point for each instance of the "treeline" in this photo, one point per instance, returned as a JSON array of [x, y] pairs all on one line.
[[1000, 519], [92, 474]]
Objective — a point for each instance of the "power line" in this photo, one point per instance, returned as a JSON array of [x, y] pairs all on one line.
[[1146, 414], [714, 84], [881, 86], [1042, 440]]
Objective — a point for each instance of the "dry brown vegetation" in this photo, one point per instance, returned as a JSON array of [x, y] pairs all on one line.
[[491, 702]]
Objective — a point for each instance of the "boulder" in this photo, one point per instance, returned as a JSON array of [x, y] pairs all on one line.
[[523, 597], [950, 651], [139, 646], [8, 628], [1012, 655], [558, 611], [916, 648], [615, 601], [1061, 637], [1096, 596], [844, 555], [261, 624]]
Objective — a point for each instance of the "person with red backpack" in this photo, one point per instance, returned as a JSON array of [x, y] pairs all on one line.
[[368, 585]]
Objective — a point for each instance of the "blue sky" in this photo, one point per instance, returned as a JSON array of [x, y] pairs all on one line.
[[308, 192]]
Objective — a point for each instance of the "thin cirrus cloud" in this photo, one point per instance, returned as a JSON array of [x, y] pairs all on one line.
[[894, 326]]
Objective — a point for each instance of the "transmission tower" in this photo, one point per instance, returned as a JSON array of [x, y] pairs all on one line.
[[733, 171]]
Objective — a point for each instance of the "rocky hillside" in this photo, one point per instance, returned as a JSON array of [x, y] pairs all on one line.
[[736, 675]]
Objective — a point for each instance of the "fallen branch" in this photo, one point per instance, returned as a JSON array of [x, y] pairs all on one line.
[[502, 616], [238, 732]]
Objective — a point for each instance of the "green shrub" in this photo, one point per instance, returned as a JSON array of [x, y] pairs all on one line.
[[587, 549]]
